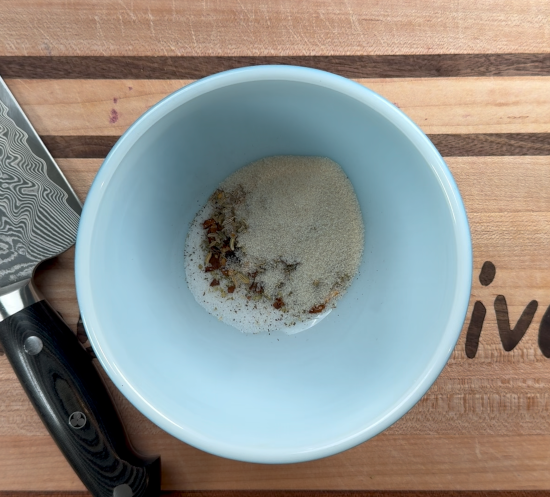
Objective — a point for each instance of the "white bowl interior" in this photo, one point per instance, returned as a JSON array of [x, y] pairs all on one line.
[[272, 397]]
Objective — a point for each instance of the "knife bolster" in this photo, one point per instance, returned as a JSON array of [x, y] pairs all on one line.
[[16, 297]]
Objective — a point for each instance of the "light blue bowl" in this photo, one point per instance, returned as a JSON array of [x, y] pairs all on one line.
[[273, 398]]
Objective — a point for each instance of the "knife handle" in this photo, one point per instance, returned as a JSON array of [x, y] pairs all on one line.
[[74, 404]]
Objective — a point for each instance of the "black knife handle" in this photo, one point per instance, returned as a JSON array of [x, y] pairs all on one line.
[[74, 404]]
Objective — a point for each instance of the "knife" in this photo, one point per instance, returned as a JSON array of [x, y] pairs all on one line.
[[39, 216]]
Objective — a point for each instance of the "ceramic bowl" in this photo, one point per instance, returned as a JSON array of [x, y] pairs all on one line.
[[273, 398]]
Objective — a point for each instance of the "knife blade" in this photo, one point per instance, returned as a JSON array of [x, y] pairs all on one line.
[[39, 216]]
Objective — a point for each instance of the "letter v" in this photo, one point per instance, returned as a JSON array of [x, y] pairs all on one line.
[[511, 337]]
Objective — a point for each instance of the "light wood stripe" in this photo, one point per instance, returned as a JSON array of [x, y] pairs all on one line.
[[386, 462], [306, 493], [285, 27], [438, 106]]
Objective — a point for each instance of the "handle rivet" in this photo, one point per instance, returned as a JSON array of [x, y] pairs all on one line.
[[123, 491], [77, 420], [33, 345]]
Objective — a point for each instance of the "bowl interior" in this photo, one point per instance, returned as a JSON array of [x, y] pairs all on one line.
[[272, 397]]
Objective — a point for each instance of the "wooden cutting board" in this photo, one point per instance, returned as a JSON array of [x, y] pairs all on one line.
[[473, 74]]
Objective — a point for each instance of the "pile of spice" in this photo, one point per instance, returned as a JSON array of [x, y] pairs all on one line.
[[277, 243]]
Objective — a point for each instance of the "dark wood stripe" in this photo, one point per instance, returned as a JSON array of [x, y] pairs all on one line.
[[492, 144], [351, 66], [453, 145], [79, 147]]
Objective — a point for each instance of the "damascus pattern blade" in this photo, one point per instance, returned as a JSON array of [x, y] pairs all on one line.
[[39, 211]]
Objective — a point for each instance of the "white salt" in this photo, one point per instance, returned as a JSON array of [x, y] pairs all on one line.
[[305, 232]]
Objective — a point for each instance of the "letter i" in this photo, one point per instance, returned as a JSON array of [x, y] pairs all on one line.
[[486, 277]]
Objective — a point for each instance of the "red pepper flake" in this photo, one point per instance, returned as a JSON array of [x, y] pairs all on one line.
[[208, 223], [231, 289], [278, 303], [316, 309], [215, 282], [214, 263]]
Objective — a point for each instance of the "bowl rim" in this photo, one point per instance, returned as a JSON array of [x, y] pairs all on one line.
[[364, 96]]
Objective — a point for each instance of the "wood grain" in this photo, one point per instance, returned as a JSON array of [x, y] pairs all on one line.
[[384, 463], [285, 27], [301, 493], [350, 66], [438, 106], [306, 493]]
